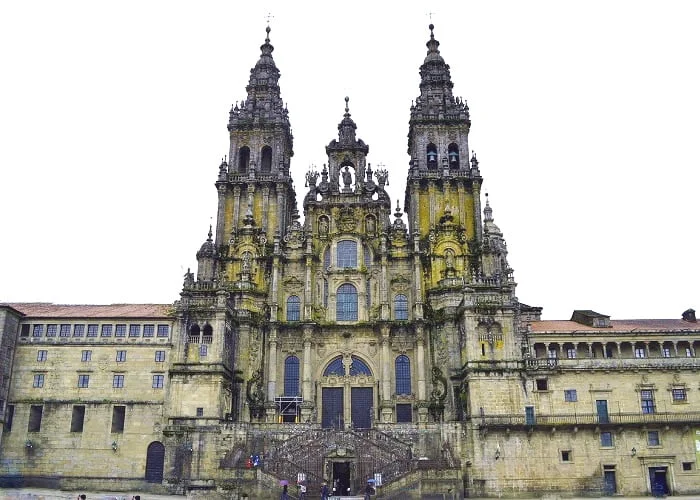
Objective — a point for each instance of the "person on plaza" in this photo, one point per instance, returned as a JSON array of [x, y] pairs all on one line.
[[302, 491], [284, 495], [324, 491]]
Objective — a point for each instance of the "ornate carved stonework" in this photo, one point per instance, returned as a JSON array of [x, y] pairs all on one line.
[[293, 284], [346, 220]]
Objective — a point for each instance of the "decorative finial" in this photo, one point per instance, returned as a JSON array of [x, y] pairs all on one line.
[[398, 210], [347, 109], [431, 27], [210, 233]]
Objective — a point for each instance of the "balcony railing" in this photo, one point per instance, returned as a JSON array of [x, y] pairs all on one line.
[[611, 363], [588, 419]]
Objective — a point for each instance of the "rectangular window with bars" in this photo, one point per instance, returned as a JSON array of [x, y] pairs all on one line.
[[570, 395], [41, 355], [148, 330], [647, 397], [158, 381], [106, 331], [134, 330], [160, 356], [64, 331], [83, 381], [92, 331], [119, 331], [78, 330], [163, 330], [653, 438], [86, 356], [51, 330], [118, 381], [606, 439], [347, 254], [38, 381], [404, 413], [38, 331], [121, 356], [679, 394]]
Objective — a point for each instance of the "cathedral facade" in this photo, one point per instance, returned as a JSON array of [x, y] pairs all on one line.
[[369, 344]]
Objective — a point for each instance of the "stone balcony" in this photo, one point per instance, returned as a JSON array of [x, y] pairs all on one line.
[[586, 420], [675, 363]]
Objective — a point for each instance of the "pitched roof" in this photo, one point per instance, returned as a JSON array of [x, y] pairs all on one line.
[[616, 326], [49, 310]]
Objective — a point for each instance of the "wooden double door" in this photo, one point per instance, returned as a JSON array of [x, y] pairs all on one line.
[[334, 411]]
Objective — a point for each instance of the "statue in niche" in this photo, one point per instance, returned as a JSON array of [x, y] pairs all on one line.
[[323, 227], [347, 177], [370, 225], [449, 259], [246, 262]]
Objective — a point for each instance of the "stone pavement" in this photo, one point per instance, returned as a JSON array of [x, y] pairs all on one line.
[[45, 494]]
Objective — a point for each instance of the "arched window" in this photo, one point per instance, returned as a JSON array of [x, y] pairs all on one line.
[[291, 376], [359, 367], [346, 303], [207, 333], [266, 159], [400, 307], [325, 293], [293, 308], [335, 367], [402, 367], [431, 154], [243, 159], [347, 253], [194, 334], [453, 155]]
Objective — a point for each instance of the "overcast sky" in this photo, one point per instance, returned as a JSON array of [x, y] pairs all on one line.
[[585, 119]]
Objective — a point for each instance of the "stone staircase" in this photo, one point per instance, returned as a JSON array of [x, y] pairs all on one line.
[[371, 451]]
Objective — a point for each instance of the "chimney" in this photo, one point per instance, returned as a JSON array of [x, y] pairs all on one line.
[[689, 316]]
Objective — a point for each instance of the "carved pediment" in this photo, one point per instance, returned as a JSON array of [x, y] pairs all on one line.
[[400, 283], [293, 284]]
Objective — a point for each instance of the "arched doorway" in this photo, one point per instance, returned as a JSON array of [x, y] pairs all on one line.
[[155, 458], [347, 394]]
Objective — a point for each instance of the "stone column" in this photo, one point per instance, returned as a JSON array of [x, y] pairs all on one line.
[[220, 215], [266, 204], [420, 361], [417, 278], [272, 365], [236, 207], [281, 209], [306, 384], [477, 210], [308, 285], [384, 281]]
